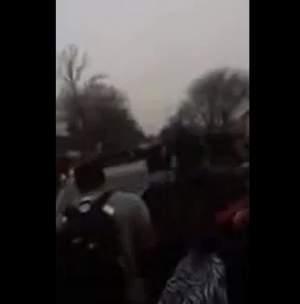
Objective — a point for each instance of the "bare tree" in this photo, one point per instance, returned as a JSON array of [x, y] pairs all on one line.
[[109, 119], [71, 65], [212, 98], [96, 111], [70, 68]]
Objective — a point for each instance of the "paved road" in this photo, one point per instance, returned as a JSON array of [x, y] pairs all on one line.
[[128, 177], [131, 177]]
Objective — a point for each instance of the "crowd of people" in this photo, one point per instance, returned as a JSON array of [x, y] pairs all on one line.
[[184, 240]]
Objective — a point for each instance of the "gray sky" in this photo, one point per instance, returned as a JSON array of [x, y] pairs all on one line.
[[153, 49]]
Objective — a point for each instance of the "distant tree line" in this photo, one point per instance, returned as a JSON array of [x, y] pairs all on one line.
[[210, 102], [99, 113], [96, 112]]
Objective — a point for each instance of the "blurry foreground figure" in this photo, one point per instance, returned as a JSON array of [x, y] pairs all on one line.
[[84, 199], [201, 276], [233, 222], [190, 152], [158, 164], [88, 249]]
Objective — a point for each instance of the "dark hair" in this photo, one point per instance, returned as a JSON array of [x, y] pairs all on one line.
[[203, 195], [89, 175], [190, 152], [63, 164], [222, 147]]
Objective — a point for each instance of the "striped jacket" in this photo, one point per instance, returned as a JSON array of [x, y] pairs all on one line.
[[196, 282]]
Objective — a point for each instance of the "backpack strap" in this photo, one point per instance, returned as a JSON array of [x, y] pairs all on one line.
[[101, 203], [86, 205]]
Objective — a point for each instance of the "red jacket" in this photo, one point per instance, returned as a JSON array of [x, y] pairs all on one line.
[[235, 216]]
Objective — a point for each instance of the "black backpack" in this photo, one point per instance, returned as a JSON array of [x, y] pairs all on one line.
[[87, 255]]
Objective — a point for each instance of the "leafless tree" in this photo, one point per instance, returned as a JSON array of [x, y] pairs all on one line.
[[96, 111], [212, 98]]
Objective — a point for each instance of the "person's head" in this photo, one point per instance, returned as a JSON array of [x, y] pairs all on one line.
[[89, 175], [190, 151], [204, 195], [63, 165], [226, 148]]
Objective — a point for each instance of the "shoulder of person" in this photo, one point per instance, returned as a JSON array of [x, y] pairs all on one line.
[[134, 204], [128, 196]]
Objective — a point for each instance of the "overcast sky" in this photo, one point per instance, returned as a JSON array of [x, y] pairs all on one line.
[[153, 49]]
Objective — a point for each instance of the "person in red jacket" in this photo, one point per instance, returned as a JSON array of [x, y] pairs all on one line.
[[233, 225], [235, 216], [212, 200]]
